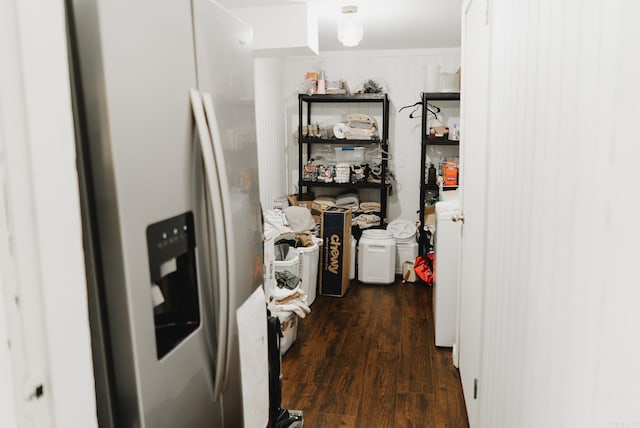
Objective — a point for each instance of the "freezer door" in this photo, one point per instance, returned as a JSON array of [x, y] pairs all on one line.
[[136, 67], [225, 80]]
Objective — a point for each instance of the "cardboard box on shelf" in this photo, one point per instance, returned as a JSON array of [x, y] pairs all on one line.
[[336, 251], [319, 206], [307, 200], [429, 215]]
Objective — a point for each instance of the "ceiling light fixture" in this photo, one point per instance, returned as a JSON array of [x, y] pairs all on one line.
[[349, 26]]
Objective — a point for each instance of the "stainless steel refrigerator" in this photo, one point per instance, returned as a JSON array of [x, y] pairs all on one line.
[[164, 109]]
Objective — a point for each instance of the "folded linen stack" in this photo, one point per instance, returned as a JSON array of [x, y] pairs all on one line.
[[365, 221], [321, 203], [369, 207], [348, 200]]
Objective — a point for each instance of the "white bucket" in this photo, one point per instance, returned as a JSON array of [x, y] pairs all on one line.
[[404, 232], [376, 257], [405, 253]]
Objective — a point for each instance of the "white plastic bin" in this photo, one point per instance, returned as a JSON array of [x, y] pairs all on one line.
[[309, 269], [376, 257], [404, 232], [350, 155], [352, 262]]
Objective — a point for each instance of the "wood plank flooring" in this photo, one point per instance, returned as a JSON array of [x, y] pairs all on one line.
[[368, 359]]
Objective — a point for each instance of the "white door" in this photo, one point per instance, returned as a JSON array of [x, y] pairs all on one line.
[[473, 146]]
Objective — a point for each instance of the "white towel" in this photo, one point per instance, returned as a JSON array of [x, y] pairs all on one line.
[[275, 223], [348, 200]]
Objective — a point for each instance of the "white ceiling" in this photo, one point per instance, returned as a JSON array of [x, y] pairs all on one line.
[[388, 24]]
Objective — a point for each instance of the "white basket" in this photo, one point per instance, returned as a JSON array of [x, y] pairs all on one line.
[[309, 258], [289, 330], [291, 264], [343, 173]]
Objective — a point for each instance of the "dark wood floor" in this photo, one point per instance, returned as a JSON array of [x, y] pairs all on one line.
[[368, 360]]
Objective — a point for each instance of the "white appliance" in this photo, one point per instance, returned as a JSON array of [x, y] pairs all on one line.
[[163, 94], [447, 262]]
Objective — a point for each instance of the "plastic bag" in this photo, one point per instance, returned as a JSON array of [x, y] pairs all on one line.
[[423, 266]]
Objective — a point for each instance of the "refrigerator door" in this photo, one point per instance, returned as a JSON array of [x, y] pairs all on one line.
[[136, 67], [225, 77]]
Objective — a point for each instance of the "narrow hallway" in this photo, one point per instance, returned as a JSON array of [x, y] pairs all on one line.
[[368, 360]]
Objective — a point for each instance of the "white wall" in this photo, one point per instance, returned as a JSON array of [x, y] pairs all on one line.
[[561, 319], [403, 75], [272, 162], [43, 286]]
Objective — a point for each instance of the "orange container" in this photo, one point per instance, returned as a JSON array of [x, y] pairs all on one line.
[[450, 173]]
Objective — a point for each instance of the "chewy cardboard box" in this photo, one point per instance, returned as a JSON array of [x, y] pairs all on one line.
[[336, 251]]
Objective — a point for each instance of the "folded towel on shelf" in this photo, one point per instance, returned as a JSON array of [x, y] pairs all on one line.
[[368, 207], [364, 221], [321, 203], [348, 200]]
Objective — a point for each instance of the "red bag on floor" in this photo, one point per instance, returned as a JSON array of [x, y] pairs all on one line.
[[423, 266]]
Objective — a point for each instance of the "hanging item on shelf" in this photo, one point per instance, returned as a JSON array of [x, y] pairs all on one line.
[[416, 113]]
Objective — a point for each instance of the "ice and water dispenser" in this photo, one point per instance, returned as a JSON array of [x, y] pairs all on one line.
[[171, 245]]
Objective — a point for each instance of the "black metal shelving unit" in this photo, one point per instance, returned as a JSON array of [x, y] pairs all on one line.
[[427, 141], [305, 103]]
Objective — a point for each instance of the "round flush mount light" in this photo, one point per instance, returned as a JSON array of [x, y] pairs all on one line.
[[349, 26]]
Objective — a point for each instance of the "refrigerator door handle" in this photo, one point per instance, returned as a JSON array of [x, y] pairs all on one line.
[[216, 143], [213, 189]]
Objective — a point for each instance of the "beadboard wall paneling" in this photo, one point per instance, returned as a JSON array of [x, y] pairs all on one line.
[[403, 75], [560, 341], [270, 131]]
